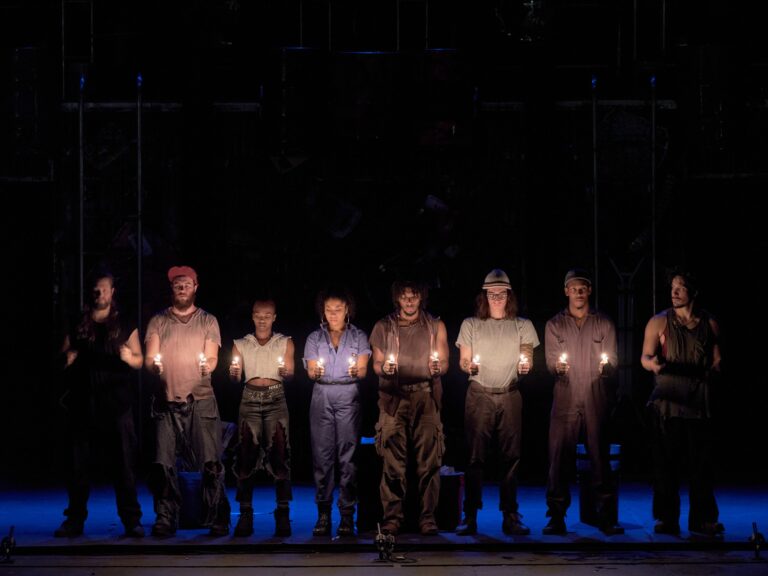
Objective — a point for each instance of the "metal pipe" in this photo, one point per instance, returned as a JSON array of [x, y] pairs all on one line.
[[594, 190]]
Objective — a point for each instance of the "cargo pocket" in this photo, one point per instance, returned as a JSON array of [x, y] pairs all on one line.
[[440, 440], [378, 439]]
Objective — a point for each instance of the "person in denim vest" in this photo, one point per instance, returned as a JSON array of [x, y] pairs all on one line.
[[336, 357], [266, 359]]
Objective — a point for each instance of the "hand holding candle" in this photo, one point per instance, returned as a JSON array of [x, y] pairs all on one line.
[[603, 361], [203, 364], [235, 370], [474, 365], [524, 365], [434, 364], [562, 364], [157, 362], [390, 365], [319, 368], [352, 361]]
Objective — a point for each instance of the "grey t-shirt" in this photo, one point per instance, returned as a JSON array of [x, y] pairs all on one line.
[[497, 343]]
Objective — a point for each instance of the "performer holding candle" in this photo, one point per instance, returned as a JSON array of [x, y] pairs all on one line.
[[581, 353], [336, 357], [183, 349], [267, 362], [410, 354], [493, 408]]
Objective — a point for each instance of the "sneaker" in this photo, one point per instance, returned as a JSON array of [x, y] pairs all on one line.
[[555, 527], [69, 529], [513, 526], [244, 525]]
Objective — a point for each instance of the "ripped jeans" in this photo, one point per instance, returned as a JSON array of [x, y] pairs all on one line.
[[263, 429]]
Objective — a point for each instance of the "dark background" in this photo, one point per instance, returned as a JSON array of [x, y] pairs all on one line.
[[290, 144]]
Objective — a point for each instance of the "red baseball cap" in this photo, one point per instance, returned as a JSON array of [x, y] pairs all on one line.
[[176, 271]]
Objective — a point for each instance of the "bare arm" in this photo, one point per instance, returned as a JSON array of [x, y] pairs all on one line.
[[378, 362], [465, 359], [290, 364], [153, 349], [442, 350], [70, 355], [130, 351], [716, 358], [361, 366], [236, 370], [651, 344]]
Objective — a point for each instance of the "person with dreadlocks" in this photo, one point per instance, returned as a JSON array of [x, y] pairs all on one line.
[[99, 355]]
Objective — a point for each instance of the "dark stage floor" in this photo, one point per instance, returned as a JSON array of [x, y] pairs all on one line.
[[35, 513]]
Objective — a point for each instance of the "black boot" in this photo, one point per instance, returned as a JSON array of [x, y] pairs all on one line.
[[282, 521], [512, 525], [468, 526], [346, 525], [323, 524], [69, 529], [244, 526]]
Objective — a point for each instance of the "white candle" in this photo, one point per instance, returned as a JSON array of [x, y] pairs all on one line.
[[351, 361], [563, 358], [158, 358], [476, 359], [523, 359], [321, 362], [435, 357], [603, 358], [280, 361], [236, 360], [201, 356]]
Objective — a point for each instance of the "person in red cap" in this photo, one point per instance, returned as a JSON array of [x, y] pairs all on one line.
[[182, 349], [581, 353], [496, 349]]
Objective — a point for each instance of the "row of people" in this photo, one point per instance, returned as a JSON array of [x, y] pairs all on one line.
[[410, 353]]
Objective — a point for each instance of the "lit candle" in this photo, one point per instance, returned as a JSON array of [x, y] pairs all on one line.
[[280, 361], [235, 360], [391, 359], [351, 361], [603, 358], [202, 358], [523, 359], [435, 357], [158, 358], [476, 359], [321, 362], [563, 358]]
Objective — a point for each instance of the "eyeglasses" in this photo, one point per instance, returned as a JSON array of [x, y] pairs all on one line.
[[497, 295]]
